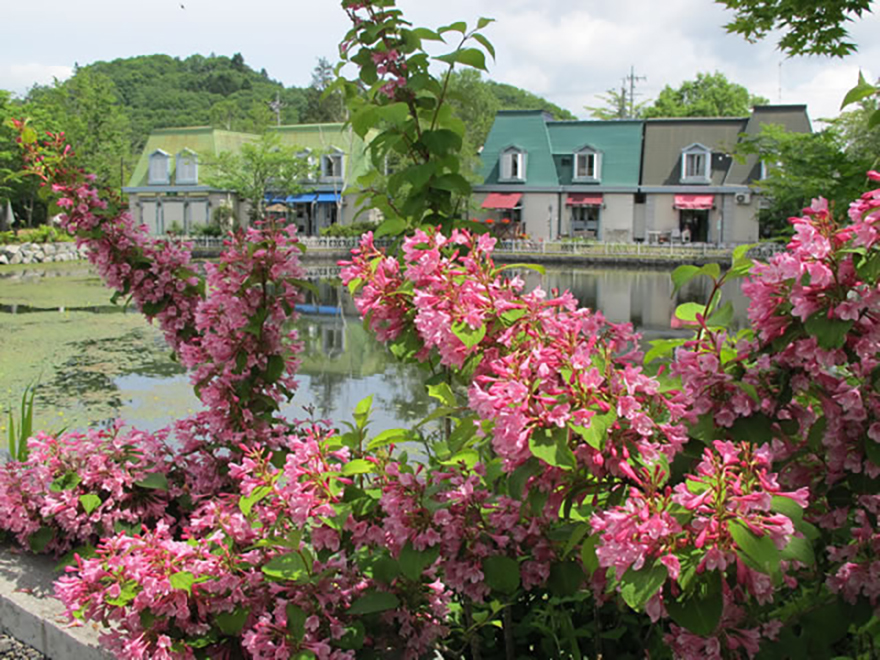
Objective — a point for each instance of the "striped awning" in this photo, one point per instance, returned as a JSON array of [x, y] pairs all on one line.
[[695, 202], [502, 200], [583, 199]]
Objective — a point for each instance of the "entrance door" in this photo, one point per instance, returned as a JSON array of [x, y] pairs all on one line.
[[585, 221], [696, 222]]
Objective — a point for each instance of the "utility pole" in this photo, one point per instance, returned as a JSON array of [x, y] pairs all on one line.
[[632, 78], [275, 106]]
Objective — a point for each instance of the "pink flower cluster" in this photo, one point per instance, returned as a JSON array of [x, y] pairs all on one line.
[[78, 487]]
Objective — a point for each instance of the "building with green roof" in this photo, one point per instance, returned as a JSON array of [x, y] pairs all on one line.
[[549, 179], [165, 189], [624, 180]]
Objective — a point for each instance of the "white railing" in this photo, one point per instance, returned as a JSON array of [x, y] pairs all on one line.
[[762, 251]]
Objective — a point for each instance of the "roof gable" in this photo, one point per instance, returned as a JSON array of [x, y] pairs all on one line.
[[525, 130]]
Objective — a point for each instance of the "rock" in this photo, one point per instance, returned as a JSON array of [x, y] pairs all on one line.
[[16, 258], [11, 249], [49, 248], [3, 260]]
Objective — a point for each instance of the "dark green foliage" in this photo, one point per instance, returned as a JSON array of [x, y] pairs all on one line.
[[807, 27], [709, 95]]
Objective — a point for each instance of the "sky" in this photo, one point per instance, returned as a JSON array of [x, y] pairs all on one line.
[[565, 50]]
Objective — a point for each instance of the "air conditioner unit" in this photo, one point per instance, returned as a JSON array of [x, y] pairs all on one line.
[[743, 198]]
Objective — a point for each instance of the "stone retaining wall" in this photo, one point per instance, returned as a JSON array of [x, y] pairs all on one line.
[[40, 253]]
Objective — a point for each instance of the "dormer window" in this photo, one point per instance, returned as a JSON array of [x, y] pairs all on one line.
[[587, 165], [158, 174], [695, 163], [332, 165], [187, 168], [513, 165]]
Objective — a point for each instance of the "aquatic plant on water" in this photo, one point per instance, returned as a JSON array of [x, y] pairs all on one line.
[[713, 498]]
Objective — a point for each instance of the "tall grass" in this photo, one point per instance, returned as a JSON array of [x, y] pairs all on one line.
[[18, 437]]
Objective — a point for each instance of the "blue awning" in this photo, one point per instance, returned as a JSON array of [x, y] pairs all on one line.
[[303, 198], [328, 198]]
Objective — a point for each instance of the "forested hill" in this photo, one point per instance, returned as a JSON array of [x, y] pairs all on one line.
[[161, 91]]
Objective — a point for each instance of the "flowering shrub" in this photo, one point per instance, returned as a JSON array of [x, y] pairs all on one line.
[[714, 497]]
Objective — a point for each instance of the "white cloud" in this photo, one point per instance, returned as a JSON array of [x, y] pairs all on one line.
[[567, 50], [18, 78]]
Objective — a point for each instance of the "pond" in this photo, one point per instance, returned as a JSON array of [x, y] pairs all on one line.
[[93, 361]]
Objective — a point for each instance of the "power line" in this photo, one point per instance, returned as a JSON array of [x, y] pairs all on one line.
[[632, 78]]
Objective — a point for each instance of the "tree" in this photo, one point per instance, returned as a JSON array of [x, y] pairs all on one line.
[[617, 106], [710, 95], [799, 167], [323, 105], [87, 108], [808, 27], [261, 167]]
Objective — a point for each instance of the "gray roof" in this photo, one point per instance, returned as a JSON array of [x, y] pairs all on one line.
[[666, 138], [793, 118]]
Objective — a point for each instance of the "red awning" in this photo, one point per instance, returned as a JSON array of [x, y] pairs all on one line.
[[694, 201], [584, 199], [502, 200]]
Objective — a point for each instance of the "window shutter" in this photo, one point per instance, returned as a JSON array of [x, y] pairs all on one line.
[[506, 165]]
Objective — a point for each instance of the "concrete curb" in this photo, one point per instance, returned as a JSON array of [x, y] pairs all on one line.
[[30, 613]]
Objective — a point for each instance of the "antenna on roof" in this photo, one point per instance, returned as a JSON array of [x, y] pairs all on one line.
[[780, 81], [632, 78]]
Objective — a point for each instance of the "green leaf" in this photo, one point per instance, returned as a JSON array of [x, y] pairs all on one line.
[[373, 602], [483, 22], [538, 268], [861, 91], [700, 610], [868, 267], [459, 26], [454, 183], [290, 566], [872, 450], [469, 457], [246, 504], [661, 348], [687, 312], [274, 368], [41, 538], [637, 587], [472, 57], [566, 578], [89, 502], [354, 285], [353, 639], [443, 393], [516, 482], [511, 316], [127, 592], [682, 275], [469, 336], [722, 316], [787, 507], [757, 429], [427, 35], [358, 466], [414, 562], [296, 621], [758, 552], [485, 43], [502, 574], [386, 570], [153, 481], [830, 333], [231, 623], [799, 549], [184, 580], [67, 481], [393, 226], [388, 437], [362, 411], [304, 655], [551, 446], [597, 432], [588, 554], [874, 120]]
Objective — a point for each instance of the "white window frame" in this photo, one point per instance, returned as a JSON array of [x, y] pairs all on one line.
[[183, 158], [513, 165], [695, 151], [307, 155], [330, 163], [586, 154], [153, 177]]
